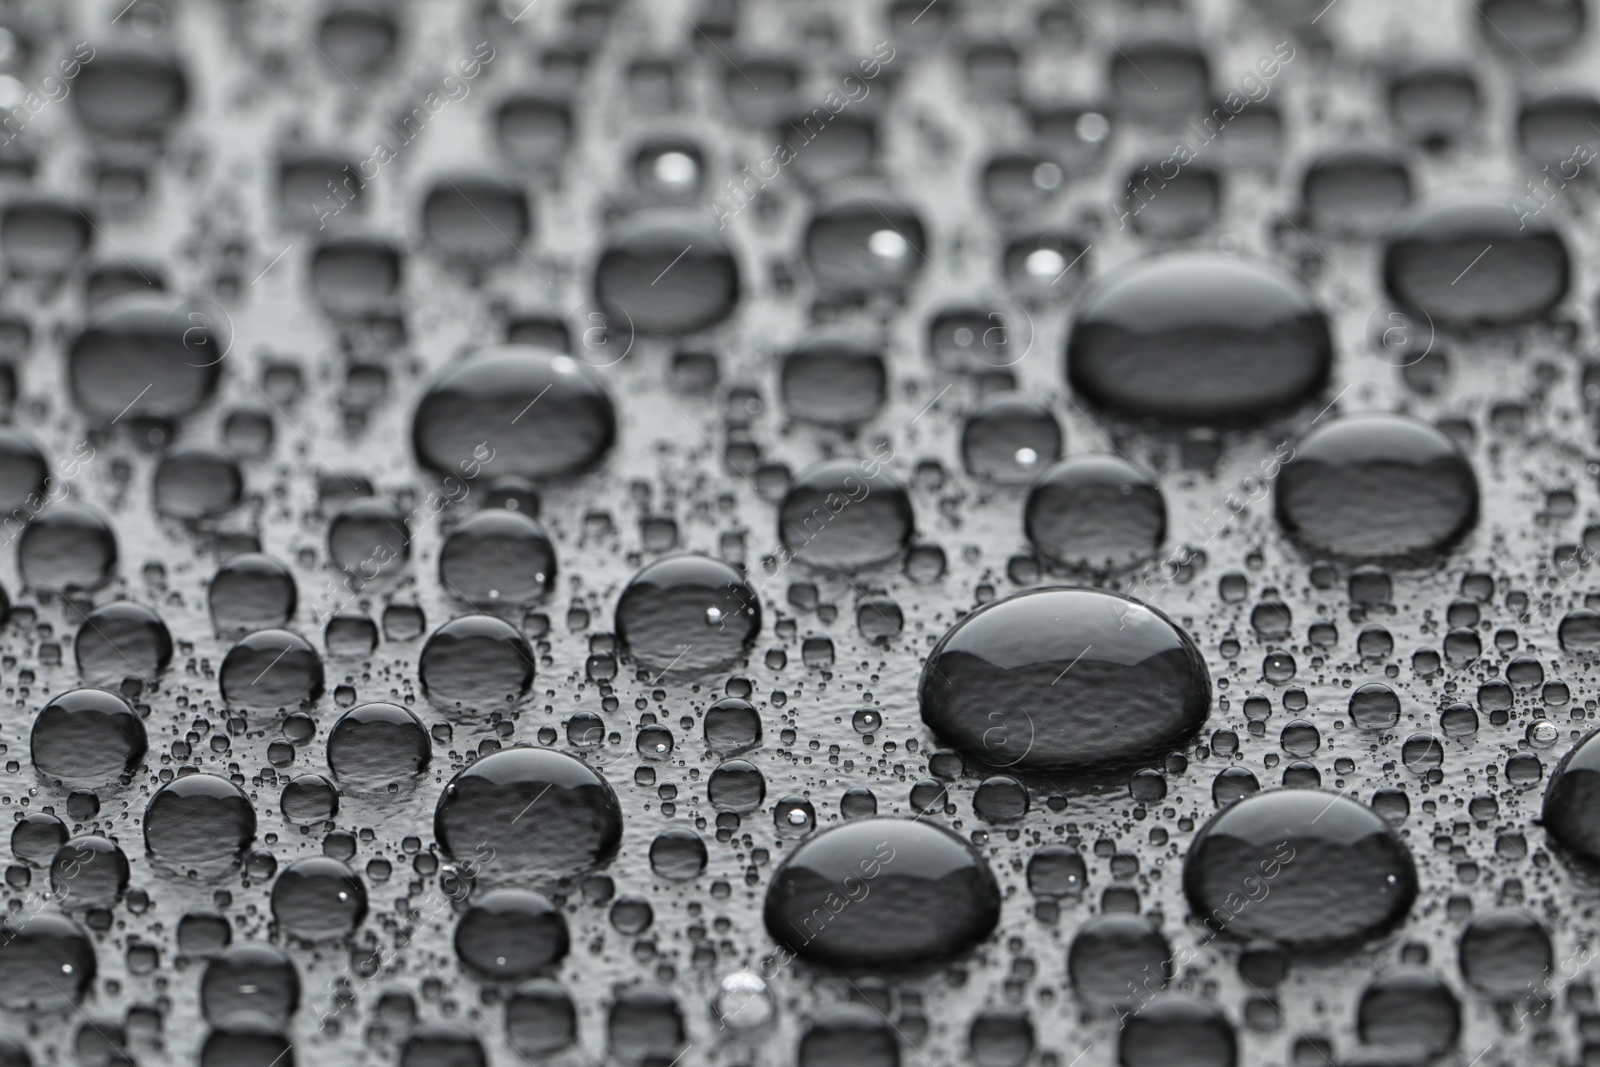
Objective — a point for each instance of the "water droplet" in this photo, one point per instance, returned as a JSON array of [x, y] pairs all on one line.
[[1332, 869], [1343, 490], [478, 660], [661, 614], [882, 893], [511, 934], [198, 820], [88, 735], [1064, 678], [845, 515], [1096, 512], [1199, 337]]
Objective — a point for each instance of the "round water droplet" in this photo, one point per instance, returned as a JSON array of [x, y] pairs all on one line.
[[477, 219], [1010, 438], [732, 726], [1377, 485], [478, 660], [130, 93], [882, 893], [1301, 867], [834, 382], [743, 1002], [251, 977], [196, 482], [369, 538], [198, 820], [849, 1035], [376, 744], [667, 275], [521, 410], [1096, 512], [122, 640], [845, 515], [1572, 799], [1355, 190], [246, 1040], [252, 591], [317, 898], [529, 812], [146, 355], [1375, 706], [1198, 337], [736, 786], [863, 240], [89, 872], [678, 855], [24, 472], [1064, 678], [47, 962], [67, 546], [498, 557], [1117, 959], [1481, 258], [511, 934], [1177, 1029], [89, 735], [1506, 954], [664, 617], [271, 670], [1410, 1010]]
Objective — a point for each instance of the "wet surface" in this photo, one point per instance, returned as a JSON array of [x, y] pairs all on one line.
[[753, 533]]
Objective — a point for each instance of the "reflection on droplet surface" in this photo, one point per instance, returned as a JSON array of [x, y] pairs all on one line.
[[1064, 678], [924, 895], [1196, 336], [1377, 485], [1332, 869]]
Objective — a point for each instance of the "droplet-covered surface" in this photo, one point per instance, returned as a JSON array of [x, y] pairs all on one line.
[[294, 469]]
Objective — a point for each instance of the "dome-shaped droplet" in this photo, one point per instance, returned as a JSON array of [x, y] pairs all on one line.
[[882, 893], [1410, 1010], [1524, 28], [442, 1045], [251, 591], [1301, 867], [369, 538], [87, 734], [24, 471], [849, 1035], [1572, 798], [252, 976], [47, 962], [197, 820], [141, 338], [246, 1040], [318, 898], [845, 515], [196, 482], [688, 613], [122, 640], [376, 744], [1096, 512], [526, 411], [1176, 1029], [665, 275], [1118, 959], [1198, 337], [67, 546], [1506, 954], [512, 933], [1377, 485], [864, 240], [498, 556], [477, 219], [1355, 190], [1481, 258], [1064, 678], [1010, 438], [479, 660], [834, 381], [271, 670], [130, 93], [88, 872], [535, 812], [732, 725], [351, 275]]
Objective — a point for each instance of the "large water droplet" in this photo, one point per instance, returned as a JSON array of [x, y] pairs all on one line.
[[882, 893], [524, 812], [688, 613], [1301, 867], [1064, 678], [1196, 336], [1377, 485], [1096, 512]]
